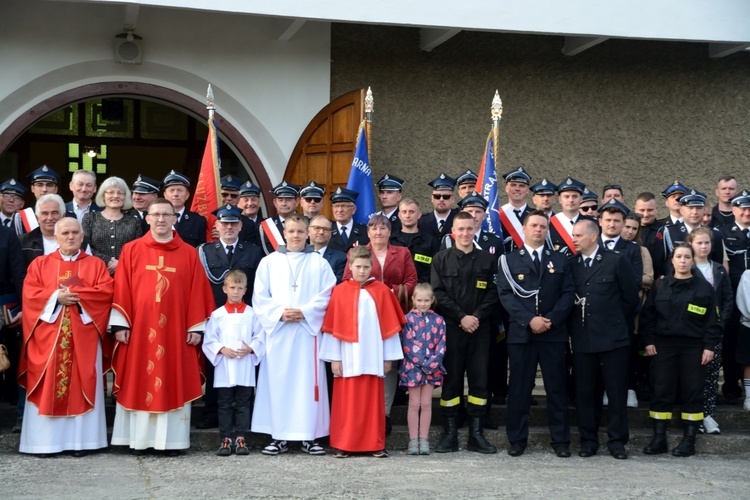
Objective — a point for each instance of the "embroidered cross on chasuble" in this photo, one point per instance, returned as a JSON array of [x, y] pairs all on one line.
[[162, 283]]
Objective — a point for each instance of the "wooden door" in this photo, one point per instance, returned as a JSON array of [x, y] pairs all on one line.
[[325, 150]]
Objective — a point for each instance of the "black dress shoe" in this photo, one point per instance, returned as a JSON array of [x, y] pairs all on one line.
[[80, 453], [562, 452], [516, 450], [172, 453], [586, 452], [619, 453], [138, 453]]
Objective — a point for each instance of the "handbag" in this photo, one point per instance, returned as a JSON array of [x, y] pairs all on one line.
[[4, 359]]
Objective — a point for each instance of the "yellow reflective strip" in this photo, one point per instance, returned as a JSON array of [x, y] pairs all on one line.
[[660, 415], [481, 284], [692, 417], [476, 401], [450, 402], [696, 309], [425, 259]]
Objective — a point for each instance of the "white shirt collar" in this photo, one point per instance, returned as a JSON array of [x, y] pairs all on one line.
[[348, 227], [592, 256], [322, 250], [532, 250], [70, 258]]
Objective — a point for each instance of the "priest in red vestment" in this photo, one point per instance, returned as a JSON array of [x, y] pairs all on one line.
[[67, 296], [362, 324], [162, 301]]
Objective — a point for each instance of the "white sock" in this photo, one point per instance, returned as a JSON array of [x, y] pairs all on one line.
[[746, 383]]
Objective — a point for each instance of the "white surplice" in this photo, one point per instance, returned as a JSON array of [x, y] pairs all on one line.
[[290, 371], [366, 356], [230, 329]]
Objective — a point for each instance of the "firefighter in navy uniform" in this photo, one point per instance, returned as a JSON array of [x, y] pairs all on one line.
[[439, 221], [390, 190], [669, 236], [463, 281], [513, 213], [346, 233], [272, 229], [672, 195], [544, 197], [191, 226], [466, 183]]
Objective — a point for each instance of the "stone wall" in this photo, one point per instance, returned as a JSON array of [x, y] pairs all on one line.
[[639, 113]]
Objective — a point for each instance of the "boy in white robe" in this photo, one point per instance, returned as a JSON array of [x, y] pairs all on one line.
[[231, 343]]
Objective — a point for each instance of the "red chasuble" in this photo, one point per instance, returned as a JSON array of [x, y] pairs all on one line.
[[341, 319], [162, 291], [58, 360]]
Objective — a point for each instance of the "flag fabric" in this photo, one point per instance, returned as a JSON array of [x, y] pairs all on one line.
[[360, 178], [487, 188], [207, 190]]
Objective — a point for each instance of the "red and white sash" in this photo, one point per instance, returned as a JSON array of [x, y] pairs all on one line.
[[511, 225], [28, 219], [562, 230], [272, 232]]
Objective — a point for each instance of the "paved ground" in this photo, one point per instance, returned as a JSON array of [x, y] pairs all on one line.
[[537, 474]]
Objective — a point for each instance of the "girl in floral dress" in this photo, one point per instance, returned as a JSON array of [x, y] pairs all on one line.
[[423, 341]]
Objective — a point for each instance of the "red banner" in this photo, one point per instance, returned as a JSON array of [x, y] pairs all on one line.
[[207, 190]]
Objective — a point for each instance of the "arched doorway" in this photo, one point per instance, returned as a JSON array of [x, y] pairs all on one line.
[[144, 128]]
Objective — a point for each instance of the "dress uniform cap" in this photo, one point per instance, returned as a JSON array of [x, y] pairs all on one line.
[[570, 184], [693, 199], [467, 177], [742, 199], [312, 190], [12, 186], [285, 190], [674, 188], [390, 183], [43, 174], [146, 185], [175, 179], [442, 183], [589, 195], [518, 175], [544, 187], [231, 183], [343, 195], [249, 189], [228, 213], [474, 200], [614, 205]]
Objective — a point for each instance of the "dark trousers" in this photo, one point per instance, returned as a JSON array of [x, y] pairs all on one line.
[[733, 371], [465, 353], [497, 369], [523, 361], [676, 369], [235, 419], [614, 376], [210, 398]]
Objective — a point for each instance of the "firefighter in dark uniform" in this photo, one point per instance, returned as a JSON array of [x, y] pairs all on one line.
[[346, 233], [191, 226], [272, 229], [144, 191], [231, 187], [537, 290], [669, 236], [311, 199], [589, 203], [672, 195], [250, 203], [466, 183], [226, 254], [570, 196], [543, 197], [681, 329], [462, 278], [422, 246], [13, 193], [512, 214], [438, 222], [390, 190], [733, 244]]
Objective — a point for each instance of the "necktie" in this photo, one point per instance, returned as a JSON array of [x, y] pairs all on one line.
[[230, 252], [344, 236], [746, 231], [587, 262], [537, 263], [7, 222], [441, 223], [518, 214]]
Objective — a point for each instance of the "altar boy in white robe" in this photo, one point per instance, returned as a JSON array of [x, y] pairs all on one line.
[[231, 344], [291, 293], [361, 341]]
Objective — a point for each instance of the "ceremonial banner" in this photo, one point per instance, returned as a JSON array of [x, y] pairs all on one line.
[[487, 188], [360, 178], [207, 195]]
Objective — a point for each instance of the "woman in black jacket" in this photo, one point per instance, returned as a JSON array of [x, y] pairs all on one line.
[[680, 327]]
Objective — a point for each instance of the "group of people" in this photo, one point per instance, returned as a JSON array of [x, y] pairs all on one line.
[[300, 327]]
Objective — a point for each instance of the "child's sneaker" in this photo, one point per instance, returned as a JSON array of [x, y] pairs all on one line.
[[226, 448], [413, 447], [240, 447], [276, 447], [380, 454], [313, 448], [424, 446]]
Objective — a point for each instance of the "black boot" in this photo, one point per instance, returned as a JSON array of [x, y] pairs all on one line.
[[449, 441], [686, 448], [658, 444], [477, 441]]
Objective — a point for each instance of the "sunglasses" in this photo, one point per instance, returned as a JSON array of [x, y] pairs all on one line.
[[593, 208], [613, 186], [442, 196], [312, 200], [230, 195]]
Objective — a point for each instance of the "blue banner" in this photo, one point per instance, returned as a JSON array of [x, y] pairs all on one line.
[[360, 179], [487, 187]]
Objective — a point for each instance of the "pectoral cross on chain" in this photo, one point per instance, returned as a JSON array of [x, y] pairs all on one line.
[[162, 283]]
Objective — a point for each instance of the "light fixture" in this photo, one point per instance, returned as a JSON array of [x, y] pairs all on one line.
[[128, 47], [92, 152]]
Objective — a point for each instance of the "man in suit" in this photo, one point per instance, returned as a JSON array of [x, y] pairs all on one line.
[[536, 288], [311, 199], [422, 246], [144, 191], [466, 183], [390, 194], [12, 192], [230, 195], [285, 200], [83, 187], [544, 196], [606, 295], [226, 254], [346, 233], [319, 233], [439, 222], [191, 226], [513, 213]]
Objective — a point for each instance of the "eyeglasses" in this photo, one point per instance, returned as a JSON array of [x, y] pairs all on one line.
[[321, 228], [442, 196], [230, 195], [161, 216], [592, 208], [312, 200], [114, 192], [11, 196]]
